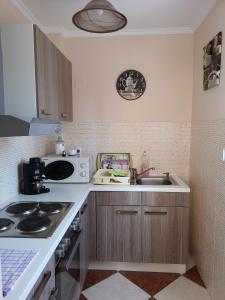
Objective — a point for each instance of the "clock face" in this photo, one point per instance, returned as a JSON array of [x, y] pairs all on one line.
[[131, 85]]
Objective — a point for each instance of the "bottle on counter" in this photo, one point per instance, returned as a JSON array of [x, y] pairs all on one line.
[[145, 163], [59, 145]]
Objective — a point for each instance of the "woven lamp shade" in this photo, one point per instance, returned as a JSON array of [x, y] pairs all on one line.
[[99, 16]]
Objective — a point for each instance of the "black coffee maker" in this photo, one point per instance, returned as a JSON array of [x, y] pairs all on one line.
[[33, 175]]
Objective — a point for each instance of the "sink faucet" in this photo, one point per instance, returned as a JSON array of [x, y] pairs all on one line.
[[134, 175]]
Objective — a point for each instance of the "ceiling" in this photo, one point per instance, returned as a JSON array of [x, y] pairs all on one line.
[[144, 16]]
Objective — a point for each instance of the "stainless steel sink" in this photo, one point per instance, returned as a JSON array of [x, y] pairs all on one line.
[[155, 180]]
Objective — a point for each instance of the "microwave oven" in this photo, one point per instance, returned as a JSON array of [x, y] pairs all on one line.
[[69, 169]]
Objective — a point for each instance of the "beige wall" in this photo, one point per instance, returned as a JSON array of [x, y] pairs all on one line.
[[166, 61], [207, 169], [10, 14]]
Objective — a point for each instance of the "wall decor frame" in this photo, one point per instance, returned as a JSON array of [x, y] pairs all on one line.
[[212, 62], [131, 85]]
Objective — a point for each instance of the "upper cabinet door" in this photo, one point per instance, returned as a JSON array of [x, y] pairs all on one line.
[[46, 76], [64, 88]]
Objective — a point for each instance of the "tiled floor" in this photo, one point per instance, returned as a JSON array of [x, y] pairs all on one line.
[[128, 285]]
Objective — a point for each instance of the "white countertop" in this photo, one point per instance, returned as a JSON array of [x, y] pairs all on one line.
[[76, 193]]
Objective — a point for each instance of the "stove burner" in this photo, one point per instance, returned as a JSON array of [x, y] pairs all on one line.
[[22, 208], [50, 208], [5, 224], [34, 224]]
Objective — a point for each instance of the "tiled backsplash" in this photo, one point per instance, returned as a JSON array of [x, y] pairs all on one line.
[[208, 204], [167, 143], [13, 151]]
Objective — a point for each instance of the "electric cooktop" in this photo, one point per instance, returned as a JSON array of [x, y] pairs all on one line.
[[32, 219]]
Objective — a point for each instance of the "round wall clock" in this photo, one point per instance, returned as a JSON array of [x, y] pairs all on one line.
[[131, 85]]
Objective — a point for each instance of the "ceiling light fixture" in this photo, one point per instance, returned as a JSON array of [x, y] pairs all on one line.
[[99, 16]]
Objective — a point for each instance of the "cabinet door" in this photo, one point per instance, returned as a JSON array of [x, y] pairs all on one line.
[[65, 88], [164, 234], [85, 241], [46, 76], [118, 233], [45, 285]]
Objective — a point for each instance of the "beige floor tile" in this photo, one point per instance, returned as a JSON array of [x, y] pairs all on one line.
[[115, 287], [183, 289]]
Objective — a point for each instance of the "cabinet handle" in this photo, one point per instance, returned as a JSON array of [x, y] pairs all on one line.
[[160, 213], [43, 112], [84, 208], [42, 285], [64, 115], [126, 212], [53, 294]]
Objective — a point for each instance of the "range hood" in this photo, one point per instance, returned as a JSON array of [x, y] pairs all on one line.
[[12, 126]]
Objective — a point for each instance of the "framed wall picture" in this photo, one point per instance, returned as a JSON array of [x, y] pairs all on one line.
[[212, 62], [131, 85]]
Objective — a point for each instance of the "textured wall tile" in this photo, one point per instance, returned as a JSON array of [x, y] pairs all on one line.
[[208, 203], [13, 151], [167, 143]]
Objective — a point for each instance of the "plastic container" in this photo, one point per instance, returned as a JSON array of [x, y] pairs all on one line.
[[59, 145], [145, 163]]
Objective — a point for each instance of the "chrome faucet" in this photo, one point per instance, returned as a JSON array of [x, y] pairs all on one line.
[[134, 175]]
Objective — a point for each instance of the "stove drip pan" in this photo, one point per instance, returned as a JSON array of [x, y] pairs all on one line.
[[22, 208], [51, 207], [34, 224], [5, 224]]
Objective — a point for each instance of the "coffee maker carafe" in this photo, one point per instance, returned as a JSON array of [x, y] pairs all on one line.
[[33, 175]]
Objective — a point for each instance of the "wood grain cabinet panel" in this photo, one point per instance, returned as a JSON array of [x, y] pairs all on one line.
[[45, 285], [165, 234], [118, 198], [118, 233], [46, 76], [64, 88], [165, 199], [53, 80]]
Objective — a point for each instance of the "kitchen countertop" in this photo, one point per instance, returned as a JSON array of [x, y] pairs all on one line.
[[76, 193]]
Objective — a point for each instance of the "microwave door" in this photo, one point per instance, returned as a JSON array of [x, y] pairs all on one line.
[[59, 170]]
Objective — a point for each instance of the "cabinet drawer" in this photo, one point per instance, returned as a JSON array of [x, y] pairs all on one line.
[[118, 198], [165, 199]]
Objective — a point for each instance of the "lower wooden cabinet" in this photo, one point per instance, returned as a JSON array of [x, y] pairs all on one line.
[[143, 230], [118, 233], [44, 288], [164, 234]]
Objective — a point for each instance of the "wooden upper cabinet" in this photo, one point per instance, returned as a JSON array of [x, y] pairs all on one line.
[[53, 80], [64, 88], [46, 76]]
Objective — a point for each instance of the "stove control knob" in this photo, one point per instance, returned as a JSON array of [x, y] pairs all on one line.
[[83, 165], [60, 253], [63, 247], [66, 241], [83, 174], [75, 225]]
